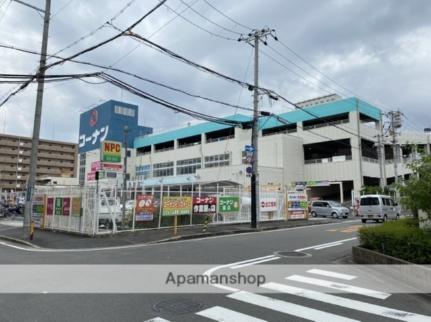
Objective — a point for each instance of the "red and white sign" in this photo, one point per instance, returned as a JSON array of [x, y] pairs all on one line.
[[112, 166], [268, 204], [96, 166], [91, 176]]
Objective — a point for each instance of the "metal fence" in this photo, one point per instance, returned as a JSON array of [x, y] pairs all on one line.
[[99, 210]]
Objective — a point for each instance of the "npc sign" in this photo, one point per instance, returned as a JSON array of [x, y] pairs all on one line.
[[111, 151], [176, 206], [145, 208]]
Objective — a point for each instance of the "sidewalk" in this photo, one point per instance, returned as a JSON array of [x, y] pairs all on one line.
[[62, 240]]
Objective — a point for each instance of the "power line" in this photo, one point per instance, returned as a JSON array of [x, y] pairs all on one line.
[[209, 20], [68, 3], [61, 61], [226, 16], [5, 10]]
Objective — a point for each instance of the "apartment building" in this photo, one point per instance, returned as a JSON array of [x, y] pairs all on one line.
[[55, 159]]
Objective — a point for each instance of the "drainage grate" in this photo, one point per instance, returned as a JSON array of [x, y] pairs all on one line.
[[178, 306], [292, 254]]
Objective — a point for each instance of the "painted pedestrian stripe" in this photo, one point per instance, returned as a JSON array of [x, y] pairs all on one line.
[[219, 313], [331, 274], [287, 307], [339, 286], [348, 303], [157, 319]]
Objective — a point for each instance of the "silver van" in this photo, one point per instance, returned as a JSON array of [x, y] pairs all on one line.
[[378, 208], [328, 209]]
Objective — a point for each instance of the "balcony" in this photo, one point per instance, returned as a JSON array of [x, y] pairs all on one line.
[[339, 158]]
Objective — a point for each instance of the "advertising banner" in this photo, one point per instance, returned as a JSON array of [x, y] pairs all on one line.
[[175, 206], [228, 204], [110, 151], [96, 166], [145, 208], [38, 209], [50, 206], [76, 207], [58, 209], [204, 205], [268, 204], [66, 206], [297, 205]]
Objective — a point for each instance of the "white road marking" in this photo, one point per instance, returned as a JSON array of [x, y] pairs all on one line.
[[286, 307], [339, 286], [348, 303], [256, 262], [334, 242], [58, 250], [157, 319], [327, 246], [331, 274], [219, 313]]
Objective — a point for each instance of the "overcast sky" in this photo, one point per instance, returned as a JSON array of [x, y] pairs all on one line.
[[379, 51]]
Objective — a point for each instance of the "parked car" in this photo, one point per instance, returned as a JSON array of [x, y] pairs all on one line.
[[378, 208], [109, 211], [328, 209]]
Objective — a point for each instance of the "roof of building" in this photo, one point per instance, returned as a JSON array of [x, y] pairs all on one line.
[[324, 110]]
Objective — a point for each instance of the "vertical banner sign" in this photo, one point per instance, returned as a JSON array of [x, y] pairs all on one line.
[[204, 205], [111, 151], [145, 208], [297, 205], [76, 207], [175, 206], [268, 204], [66, 206], [50, 206], [58, 209], [228, 204], [38, 210]]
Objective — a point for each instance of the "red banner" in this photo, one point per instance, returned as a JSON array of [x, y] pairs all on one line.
[[204, 205], [145, 208], [66, 206], [50, 206]]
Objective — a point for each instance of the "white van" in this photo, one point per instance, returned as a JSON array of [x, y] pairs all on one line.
[[378, 208]]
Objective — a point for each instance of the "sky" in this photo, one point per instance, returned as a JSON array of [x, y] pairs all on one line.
[[379, 51]]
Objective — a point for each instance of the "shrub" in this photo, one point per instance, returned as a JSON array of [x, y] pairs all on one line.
[[401, 239]]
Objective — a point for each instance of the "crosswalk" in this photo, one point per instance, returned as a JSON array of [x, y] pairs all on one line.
[[317, 278]]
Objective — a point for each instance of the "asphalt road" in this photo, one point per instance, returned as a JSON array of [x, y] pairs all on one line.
[[304, 300]]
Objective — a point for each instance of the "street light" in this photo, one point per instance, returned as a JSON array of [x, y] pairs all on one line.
[[125, 131], [428, 131]]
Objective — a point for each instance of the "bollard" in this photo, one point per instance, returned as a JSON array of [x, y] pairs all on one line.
[[205, 225]]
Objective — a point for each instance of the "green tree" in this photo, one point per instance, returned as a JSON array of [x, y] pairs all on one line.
[[416, 192]]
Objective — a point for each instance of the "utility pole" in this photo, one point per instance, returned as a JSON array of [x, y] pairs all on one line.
[[37, 120], [254, 38], [358, 134], [395, 123], [123, 202]]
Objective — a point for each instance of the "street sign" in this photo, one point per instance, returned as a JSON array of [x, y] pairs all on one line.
[[249, 148]]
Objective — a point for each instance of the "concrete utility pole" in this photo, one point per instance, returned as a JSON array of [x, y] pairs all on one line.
[[37, 120], [428, 132], [123, 202], [254, 38], [358, 134]]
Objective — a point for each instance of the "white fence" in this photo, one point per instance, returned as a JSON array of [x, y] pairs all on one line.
[[82, 210]]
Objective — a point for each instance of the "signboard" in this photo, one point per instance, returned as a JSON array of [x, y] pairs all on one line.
[[249, 148], [174, 206], [297, 205], [112, 166], [58, 207], [76, 207], [320, 183], [38, 209], [204, 205], [228, 204], [268, 204], [96, 166], [50, 206], [66, 206], [91, 176], [145, 208], [110, 151]]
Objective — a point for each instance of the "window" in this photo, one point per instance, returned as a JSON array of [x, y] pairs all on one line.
[[218, 160], [143, 171], [370, 201], [126, 111], [163, 169], [188, 166]]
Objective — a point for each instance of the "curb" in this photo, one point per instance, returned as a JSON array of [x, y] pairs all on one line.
[[18, 241]]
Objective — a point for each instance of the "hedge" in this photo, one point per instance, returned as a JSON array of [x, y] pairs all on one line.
[[402, 239]]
